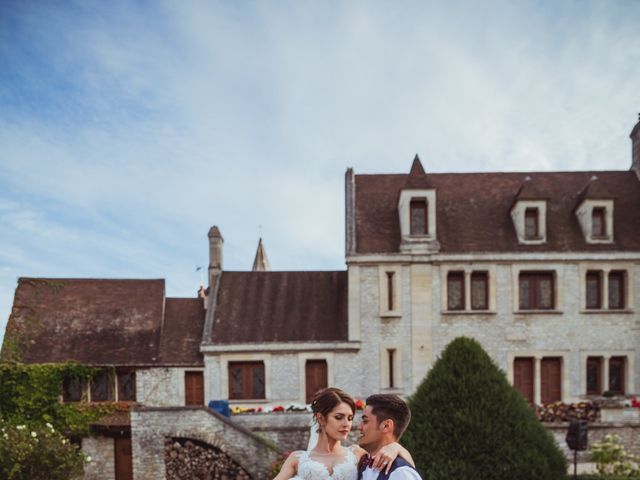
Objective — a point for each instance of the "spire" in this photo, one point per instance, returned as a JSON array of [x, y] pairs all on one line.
[[416, 167], [261, 263]]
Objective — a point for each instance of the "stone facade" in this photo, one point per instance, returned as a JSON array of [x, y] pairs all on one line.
[[162, 387], [101, 451]]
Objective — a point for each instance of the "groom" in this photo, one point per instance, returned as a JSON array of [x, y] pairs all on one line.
[[384, 421]]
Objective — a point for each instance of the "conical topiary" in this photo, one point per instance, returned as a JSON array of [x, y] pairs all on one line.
[[469, 423]]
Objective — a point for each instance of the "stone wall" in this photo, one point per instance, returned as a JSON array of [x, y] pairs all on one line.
[[161, 387], [629, 436], [101, 451]]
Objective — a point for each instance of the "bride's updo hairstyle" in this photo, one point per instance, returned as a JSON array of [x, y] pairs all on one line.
[[329, 398]]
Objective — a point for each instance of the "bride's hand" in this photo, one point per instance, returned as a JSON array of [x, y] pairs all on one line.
[[387, 454]]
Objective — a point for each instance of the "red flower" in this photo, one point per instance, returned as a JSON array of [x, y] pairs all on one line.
[[359, 405], [279, 408]]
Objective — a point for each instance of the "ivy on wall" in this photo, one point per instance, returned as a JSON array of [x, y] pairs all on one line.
[[31, 394]]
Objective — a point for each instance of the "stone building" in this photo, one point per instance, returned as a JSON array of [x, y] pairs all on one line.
[[542, 268]]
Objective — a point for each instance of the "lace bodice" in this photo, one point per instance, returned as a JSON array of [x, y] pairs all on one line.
[[309, 469]]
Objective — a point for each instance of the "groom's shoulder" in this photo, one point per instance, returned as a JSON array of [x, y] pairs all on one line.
[[402, 470]]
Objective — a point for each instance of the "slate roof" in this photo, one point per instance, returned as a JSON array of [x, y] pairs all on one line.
[[473, 210], [103, 322], [254, 307], [182, 332]]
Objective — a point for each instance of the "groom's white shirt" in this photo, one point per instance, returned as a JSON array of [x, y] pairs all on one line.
[[400, 473]]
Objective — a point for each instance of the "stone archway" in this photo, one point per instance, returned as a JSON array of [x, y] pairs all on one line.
[[194, 459], [151, 426]]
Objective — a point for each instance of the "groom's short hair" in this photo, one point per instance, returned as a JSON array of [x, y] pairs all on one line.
[[387, 406]]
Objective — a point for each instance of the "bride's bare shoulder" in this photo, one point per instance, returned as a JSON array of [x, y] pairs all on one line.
[[358, 451]]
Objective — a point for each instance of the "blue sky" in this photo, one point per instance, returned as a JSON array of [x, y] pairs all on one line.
[[128, 128]]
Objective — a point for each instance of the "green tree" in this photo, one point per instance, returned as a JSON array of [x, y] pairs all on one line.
[[470, 423]]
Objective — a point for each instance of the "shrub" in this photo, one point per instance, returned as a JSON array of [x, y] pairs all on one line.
[[31, 452], [612, 459], [469, 422]]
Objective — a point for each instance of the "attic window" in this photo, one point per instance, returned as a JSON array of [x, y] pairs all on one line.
[[531, 223], [598, 225], [419, 217]]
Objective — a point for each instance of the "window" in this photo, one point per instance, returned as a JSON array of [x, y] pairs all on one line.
[[594, 289], [594, 375], [391, 353], [616, 289], [72, 389], [531, 227], [536, 290], [455, 291], [390, 290], [419, 224], [523, 376], [102, 386], [193, 388], [246, 380], [479, 291], [127, 385], [550, 380], [316, 377], [617, 375], [598, 225]]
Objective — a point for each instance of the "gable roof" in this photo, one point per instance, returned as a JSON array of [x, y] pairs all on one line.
[[182, 332], [472, 210], [99, 322], [256, 307]]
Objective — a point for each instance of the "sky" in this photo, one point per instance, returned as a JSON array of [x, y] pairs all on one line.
[[129, 128]]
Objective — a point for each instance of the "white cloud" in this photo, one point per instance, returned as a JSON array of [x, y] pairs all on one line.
[[127, 131]]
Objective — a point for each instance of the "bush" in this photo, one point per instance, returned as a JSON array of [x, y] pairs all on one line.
[[612, 459], [470, 423], [32, 452]]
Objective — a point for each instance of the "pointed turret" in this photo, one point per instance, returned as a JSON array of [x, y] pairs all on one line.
[[416, 167], [261, 263], [417, 177]]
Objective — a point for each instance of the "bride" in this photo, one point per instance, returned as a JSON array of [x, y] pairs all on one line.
[[333, 412]]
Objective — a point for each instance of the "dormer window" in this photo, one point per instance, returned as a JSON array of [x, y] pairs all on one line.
[[531, 226], [419, 216], [529, 221], [598, 222]]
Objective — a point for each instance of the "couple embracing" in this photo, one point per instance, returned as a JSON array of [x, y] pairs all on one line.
[[378, 456]]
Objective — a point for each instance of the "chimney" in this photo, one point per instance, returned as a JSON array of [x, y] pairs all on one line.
[[215, 254], [635, 148], [350, 212]]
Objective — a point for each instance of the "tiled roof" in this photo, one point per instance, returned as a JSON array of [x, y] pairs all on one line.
[[473, 210], [182, 332], [257, 307], [102, 322]]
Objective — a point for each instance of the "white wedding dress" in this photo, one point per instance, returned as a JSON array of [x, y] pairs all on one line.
[[309, 469]]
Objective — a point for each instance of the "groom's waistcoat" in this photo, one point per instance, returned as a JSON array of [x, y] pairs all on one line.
[[397, 463]]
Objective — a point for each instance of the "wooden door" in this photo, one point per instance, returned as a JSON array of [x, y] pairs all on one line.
[[316, 377], [550, 380], [523, 376], [124, 465], [194, 388]]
